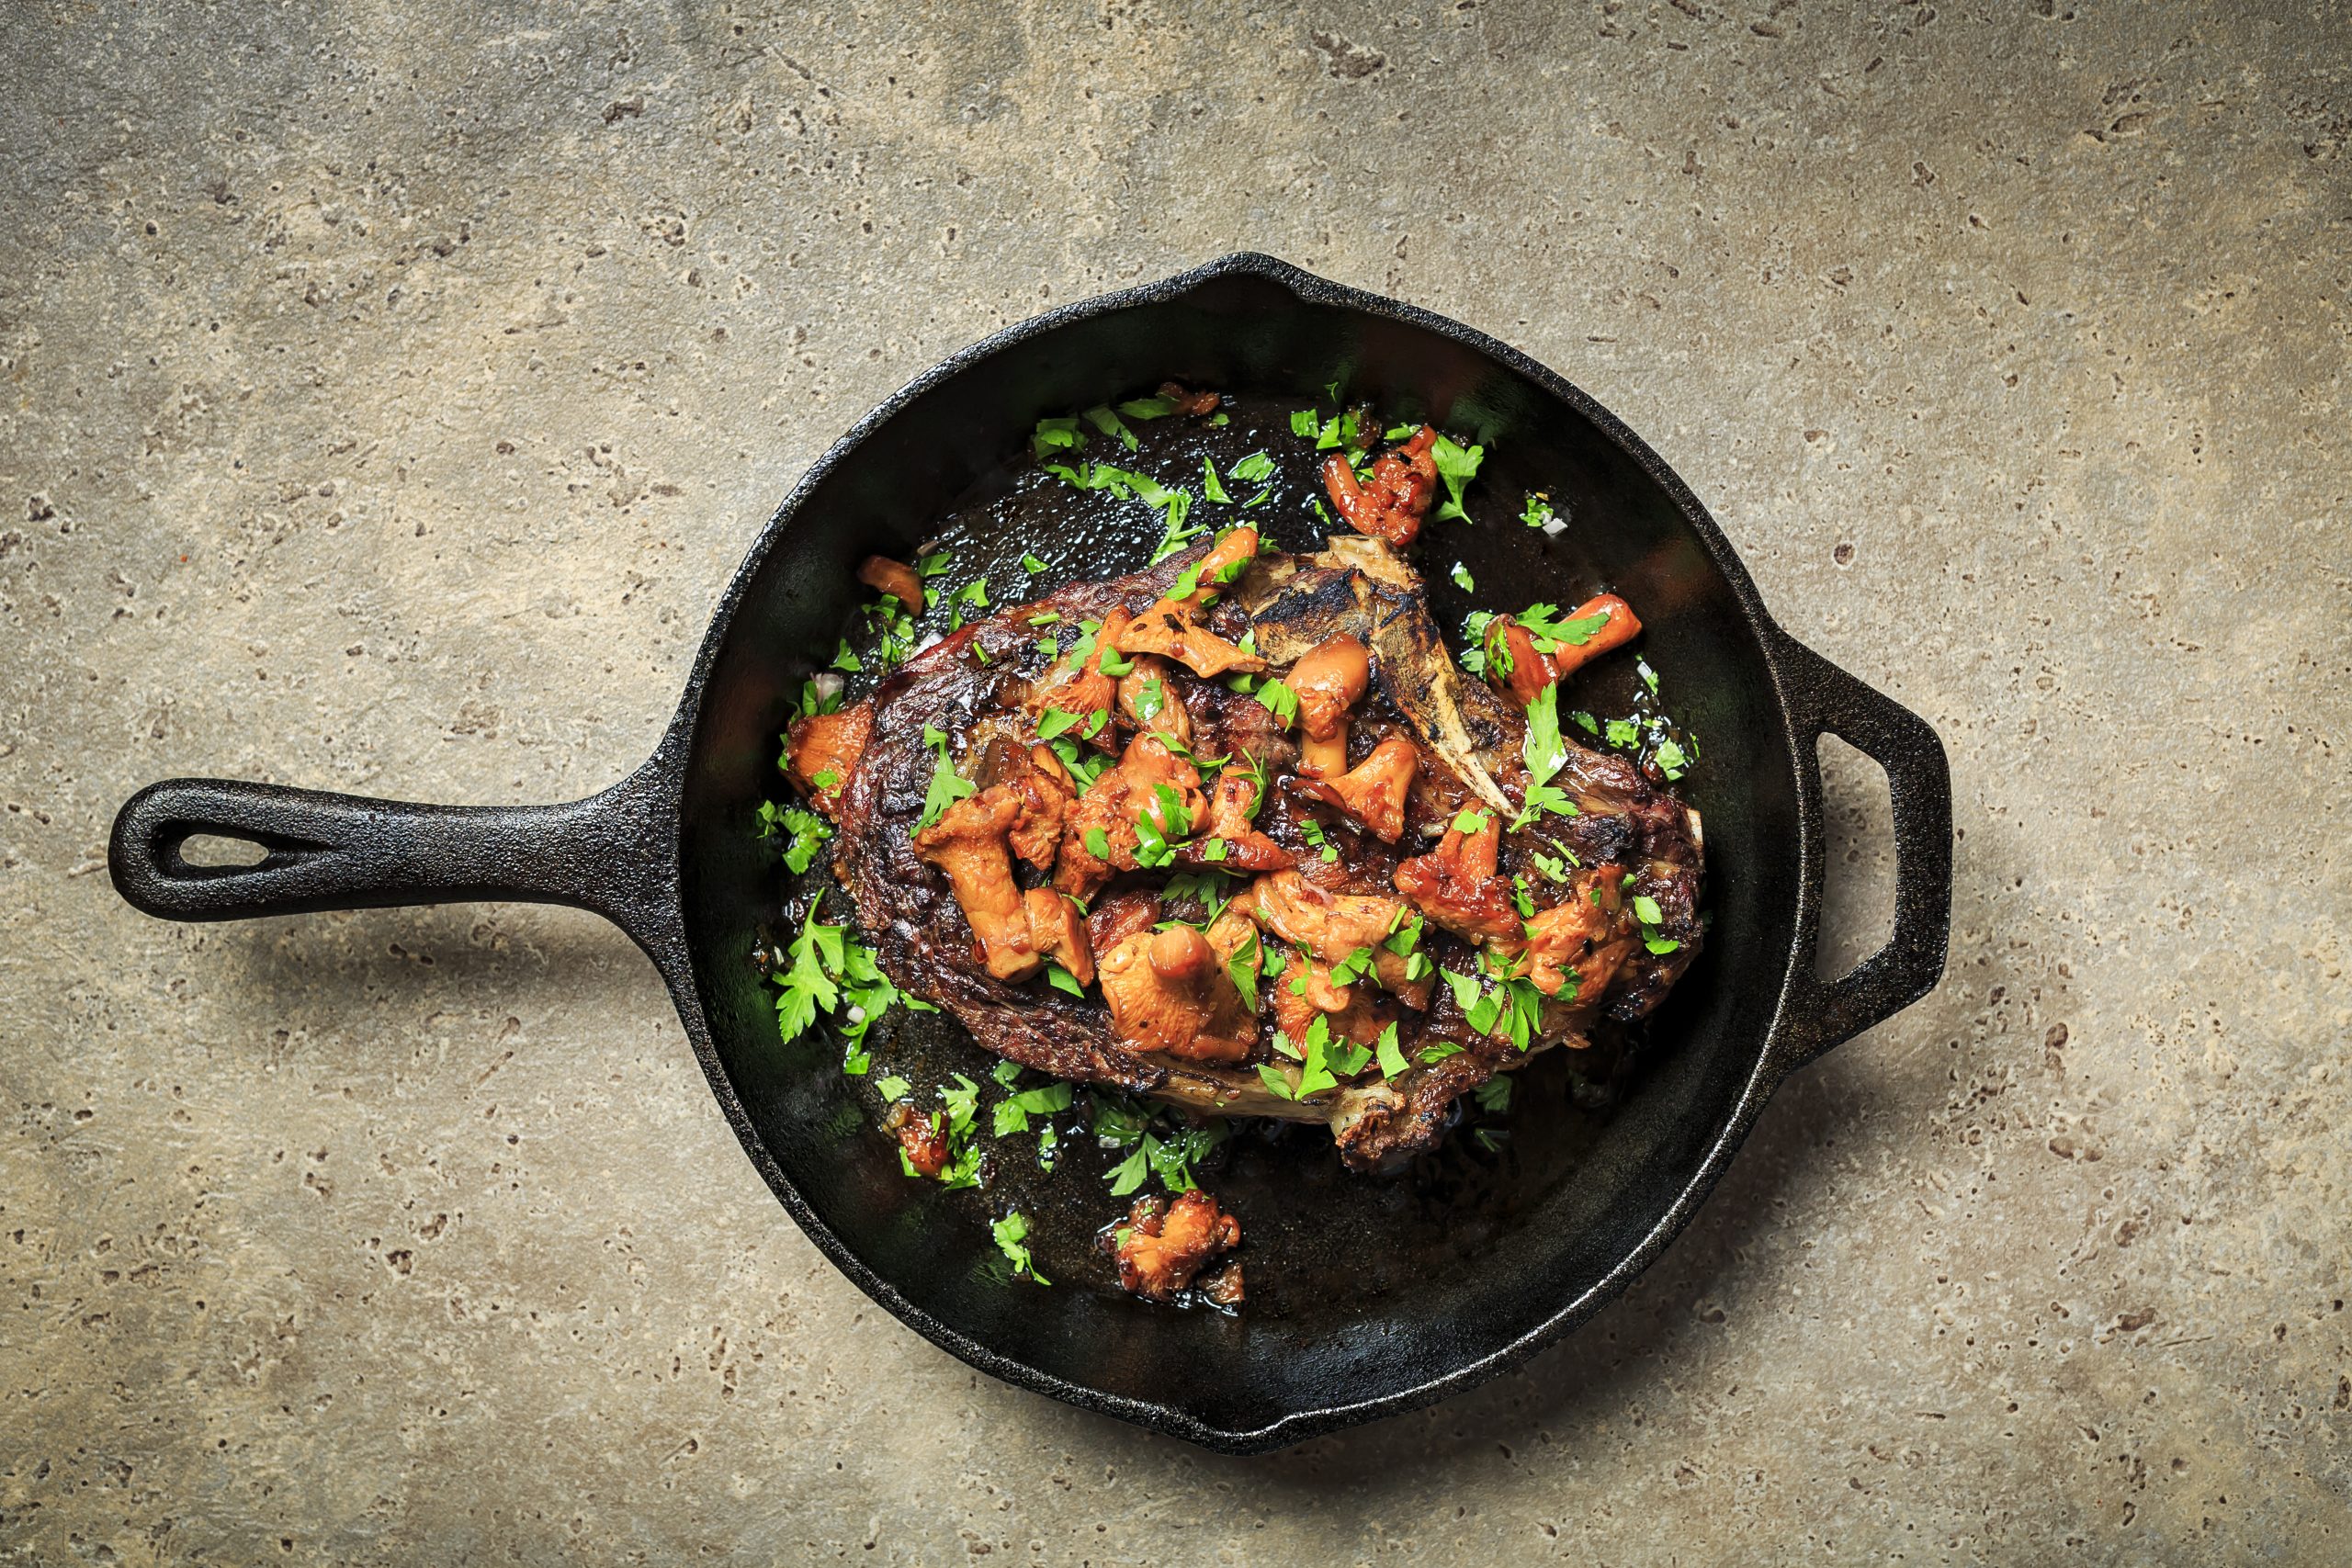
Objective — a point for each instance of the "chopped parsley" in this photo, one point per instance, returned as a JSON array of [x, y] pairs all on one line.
[[1544, 752], [1056, 435], [973, 595], [1538, 513], [1549, 632], [892, 1087], [1280, 701], [1053, 721], [1034, 567], [1013, 1112], [1304, 422], [1256, 468], [1456, 466], [1061, 979], [1622, 733], [1156, 837], [1392, 1057], [1011, 1234], [1462, 579], [1494, 1095], [805, 828], [1153, 407], [1212, 487], [1101, 417], [811, 985], [1671, 759], [1178, 533], [947, 785], [1242, 970]]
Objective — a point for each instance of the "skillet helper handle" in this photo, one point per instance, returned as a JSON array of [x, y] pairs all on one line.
[[606, 854], [1818, 1014]]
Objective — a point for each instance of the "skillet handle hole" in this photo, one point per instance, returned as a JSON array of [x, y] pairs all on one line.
[[1858, 893], [221, 849]]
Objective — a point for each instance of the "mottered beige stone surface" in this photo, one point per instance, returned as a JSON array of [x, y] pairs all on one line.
[[386, 391]]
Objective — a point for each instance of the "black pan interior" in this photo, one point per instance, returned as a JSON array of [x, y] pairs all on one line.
[[1513, 1262]]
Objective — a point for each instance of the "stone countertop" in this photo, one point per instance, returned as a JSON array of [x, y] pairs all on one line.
[[386, 392]]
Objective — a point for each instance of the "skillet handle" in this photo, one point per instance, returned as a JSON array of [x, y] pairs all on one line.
[[1817, 1014], [609, 853]]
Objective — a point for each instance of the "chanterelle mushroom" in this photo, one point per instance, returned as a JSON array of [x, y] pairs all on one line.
[[1521, 664], [1391, 504], [1334, 927], [1169, 993], [1100, 833], [1171, 628], [1571, 950], [896, 578], [1455, 883], [821, 750], [1230, 829], [1085, 690], [1328, 680], [1166, 1242], [1149, 701], [1059, 931], [1041, 786], [1374, 792], [967, 842]]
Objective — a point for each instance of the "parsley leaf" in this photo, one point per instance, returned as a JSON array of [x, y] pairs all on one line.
[[809, 831], [1213, 488], [1101, 417], [1053, 721], [1033, 566], [1455, 466], [811, 984], [1011, 1234], [948, 786], [1538, 513], [1242, 970], [1149, 408], [1461, 579], [1056, 435], [1544, 625], [1280, 701], [1178, 534], [1303, 421], [1392, 1059], [1136, 1169], [1256, 468]]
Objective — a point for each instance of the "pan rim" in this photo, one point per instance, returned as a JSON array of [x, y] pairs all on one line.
[[1296, 1426]]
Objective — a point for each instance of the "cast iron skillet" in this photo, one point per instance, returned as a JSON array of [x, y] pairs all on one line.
[[664, 853]]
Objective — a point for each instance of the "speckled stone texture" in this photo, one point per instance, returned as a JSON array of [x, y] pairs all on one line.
[[386, 392]]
